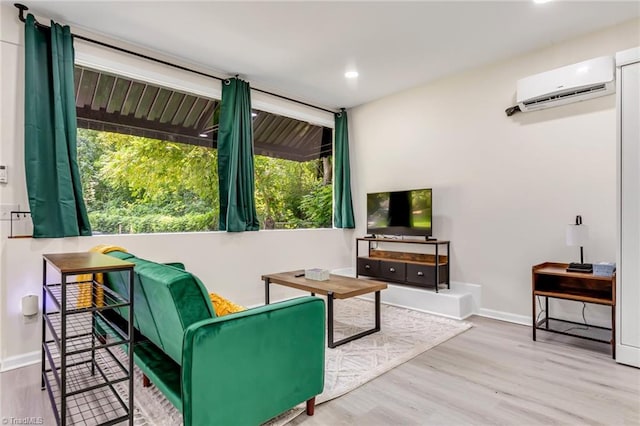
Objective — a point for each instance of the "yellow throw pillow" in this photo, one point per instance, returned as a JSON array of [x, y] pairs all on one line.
[[223, 306], [86, 288]]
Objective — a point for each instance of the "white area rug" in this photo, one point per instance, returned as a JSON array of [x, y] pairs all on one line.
[[405, 334]]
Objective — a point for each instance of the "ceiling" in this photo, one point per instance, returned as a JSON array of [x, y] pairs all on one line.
[[302, 49]]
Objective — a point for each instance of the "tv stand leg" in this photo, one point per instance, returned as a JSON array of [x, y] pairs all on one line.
[[437, 269]]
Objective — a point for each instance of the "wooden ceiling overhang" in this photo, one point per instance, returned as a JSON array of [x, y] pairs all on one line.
[[117, 104]]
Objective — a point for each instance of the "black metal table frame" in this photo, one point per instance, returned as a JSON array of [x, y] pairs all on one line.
[[61, 416], [543, 324], [330, 342]]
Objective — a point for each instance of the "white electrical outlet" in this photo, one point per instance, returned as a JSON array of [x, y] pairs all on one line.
[[4, 178], [6, 209]]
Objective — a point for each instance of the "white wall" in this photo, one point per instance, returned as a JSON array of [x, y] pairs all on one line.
[[228, 263], [504, 187]]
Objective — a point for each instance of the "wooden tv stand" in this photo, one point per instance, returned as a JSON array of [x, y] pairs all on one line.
[[413, 269], [551, 279]]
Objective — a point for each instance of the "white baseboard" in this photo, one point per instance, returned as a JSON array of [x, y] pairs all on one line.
[[18, 361], [504, 316]]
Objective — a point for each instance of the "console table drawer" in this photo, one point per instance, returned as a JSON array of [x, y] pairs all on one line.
[[394, 271], [368, 267]]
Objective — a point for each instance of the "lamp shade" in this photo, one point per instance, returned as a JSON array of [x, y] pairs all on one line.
[[577, 235]]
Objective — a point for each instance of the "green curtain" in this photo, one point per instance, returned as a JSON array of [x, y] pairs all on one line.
[[51, 165], [342, 204], [235, 159]]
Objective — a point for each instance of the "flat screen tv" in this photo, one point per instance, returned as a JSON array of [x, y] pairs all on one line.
[[399, 213]]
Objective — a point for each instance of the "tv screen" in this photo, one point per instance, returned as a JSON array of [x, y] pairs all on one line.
[[399, 212]]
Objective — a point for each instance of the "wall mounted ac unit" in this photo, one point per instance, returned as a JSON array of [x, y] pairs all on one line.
[[573, 83]]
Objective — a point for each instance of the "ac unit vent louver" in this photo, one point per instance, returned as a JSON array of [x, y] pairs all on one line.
[[573, 83], [532, 103]]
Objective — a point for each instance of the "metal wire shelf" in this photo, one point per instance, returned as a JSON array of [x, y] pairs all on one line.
[[81, 334], [82, 296], [91, 399], [85, 373]]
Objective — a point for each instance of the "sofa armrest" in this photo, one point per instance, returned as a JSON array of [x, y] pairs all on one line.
[[248, 367]]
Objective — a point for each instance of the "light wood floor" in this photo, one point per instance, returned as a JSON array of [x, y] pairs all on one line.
[[492, 374]]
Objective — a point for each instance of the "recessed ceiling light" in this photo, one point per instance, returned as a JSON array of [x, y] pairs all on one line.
[[254, 114], [351, 74], [204, 135], [541, 1]]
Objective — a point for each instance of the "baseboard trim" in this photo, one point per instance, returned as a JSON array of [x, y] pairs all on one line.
[[18, 361], [504, 316]]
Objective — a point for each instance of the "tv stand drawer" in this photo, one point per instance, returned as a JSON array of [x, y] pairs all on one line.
[[394, 271], [425, 275], [368, 267]]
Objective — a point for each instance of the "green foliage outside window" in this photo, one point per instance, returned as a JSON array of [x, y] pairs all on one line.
[[139, 185]]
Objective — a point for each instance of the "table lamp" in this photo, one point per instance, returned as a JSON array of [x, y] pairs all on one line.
[[577, 235]]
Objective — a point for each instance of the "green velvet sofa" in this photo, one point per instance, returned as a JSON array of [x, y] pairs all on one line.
[[238, 369]]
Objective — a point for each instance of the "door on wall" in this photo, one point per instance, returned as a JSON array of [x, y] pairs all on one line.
[[628, 276]]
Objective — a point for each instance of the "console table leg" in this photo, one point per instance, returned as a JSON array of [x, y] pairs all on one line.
[[546, 312], [533, 316], [330, 319], [613, 330]]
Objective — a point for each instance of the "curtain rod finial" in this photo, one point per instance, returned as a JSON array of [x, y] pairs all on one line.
[[21, 9]]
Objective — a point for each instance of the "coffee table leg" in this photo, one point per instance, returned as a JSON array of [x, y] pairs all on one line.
[[267, 281], [330, 320], [330, 342]]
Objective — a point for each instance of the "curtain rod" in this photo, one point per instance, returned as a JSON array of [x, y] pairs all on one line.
[[22, 8]]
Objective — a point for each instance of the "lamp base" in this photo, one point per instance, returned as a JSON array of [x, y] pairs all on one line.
[[587, 268]]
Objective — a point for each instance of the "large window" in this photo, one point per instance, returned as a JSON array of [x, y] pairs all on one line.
[[134, 184], [293, 172], [148, 160]]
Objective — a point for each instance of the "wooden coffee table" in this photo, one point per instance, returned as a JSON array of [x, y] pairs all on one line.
[[337, 287]]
